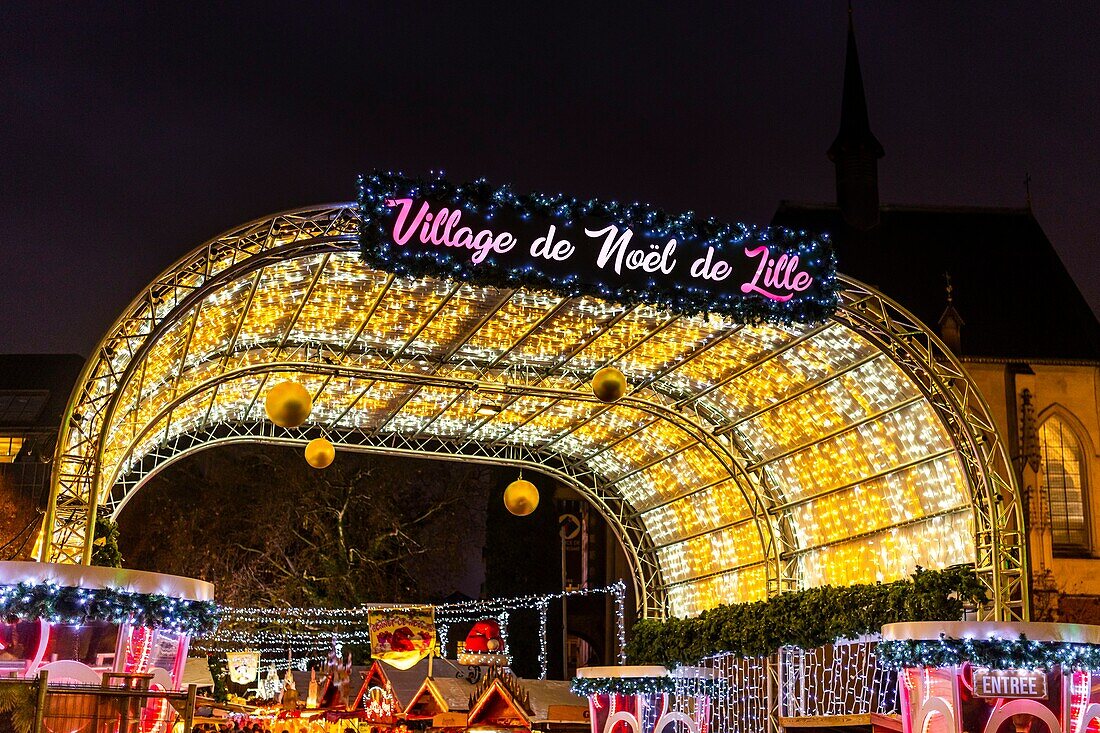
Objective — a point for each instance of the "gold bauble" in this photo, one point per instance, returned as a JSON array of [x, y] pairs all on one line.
[[320, 453], [521, 497], [608, 384], [288, 404]]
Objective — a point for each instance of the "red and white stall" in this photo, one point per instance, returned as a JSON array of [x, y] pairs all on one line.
[[993, 677]]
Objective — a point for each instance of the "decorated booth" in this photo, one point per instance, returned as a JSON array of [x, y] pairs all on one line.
[[990, 677], [82, 623], [92, 627], [376, 702], [647, 699]]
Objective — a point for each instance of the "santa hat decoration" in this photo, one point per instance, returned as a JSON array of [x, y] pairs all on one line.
[[485, 638]]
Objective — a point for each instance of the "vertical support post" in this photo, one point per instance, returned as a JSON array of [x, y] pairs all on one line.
[[564, 612], [189, 707], [771, 665], [40, 702], [803, 683]]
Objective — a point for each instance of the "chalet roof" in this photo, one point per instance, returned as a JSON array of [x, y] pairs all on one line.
[[406, 682], [455, 691], [1010, 287], [545, 693]]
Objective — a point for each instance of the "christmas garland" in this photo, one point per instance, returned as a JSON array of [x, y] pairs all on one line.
[[992, 653], [806, 619], [585, 686], [69, 605], [482, 198]]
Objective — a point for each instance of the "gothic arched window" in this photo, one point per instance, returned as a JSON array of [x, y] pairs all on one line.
[[1064, 483]]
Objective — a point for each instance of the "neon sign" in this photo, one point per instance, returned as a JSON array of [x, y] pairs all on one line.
[[629, 253]]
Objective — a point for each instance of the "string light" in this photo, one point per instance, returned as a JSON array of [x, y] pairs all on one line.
[[544, 653], [992, 653], [744, 704], [273, 641], [458, 611], [844, 678]]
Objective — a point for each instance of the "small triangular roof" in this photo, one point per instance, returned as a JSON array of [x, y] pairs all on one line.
[[427, 701], [376, 676], [497, 707]]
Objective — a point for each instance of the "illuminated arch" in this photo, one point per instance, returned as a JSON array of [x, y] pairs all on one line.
[[746, 460]]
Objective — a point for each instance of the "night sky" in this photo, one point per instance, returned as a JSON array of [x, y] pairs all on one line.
[[131, 133]]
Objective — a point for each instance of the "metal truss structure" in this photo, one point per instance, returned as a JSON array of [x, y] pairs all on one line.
[[745, 461]]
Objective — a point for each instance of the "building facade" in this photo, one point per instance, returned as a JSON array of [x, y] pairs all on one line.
[[33, 392], [992, 284]]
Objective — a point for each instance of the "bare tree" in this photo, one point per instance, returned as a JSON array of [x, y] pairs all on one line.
[[267, 529]]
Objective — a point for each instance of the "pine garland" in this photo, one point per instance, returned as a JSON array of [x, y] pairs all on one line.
[[69, 605], [1019, 653], [806, 619], [585, 686]]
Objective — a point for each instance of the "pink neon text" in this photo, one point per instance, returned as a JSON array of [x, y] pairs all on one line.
[[774, 276], [441, 228]]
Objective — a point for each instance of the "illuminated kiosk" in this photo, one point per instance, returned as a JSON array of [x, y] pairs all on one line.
[[990, 677], [647, 699], [93, 626]]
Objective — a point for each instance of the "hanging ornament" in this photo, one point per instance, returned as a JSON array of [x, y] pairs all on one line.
[[608, 384], [521, 497], [320, 453], [288, 404]]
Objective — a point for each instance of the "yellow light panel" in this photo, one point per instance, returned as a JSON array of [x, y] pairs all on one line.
[[814, 420]]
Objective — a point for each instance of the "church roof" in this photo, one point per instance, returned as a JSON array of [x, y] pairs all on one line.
[[1015, 296]]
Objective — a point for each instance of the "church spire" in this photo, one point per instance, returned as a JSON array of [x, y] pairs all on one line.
[[855, 151]]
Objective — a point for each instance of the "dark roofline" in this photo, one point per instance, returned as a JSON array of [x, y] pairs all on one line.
[[915, 208]]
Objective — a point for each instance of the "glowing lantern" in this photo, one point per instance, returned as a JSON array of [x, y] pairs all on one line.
[[320, 453], [608, 384], [288, 404], [521, 497]]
